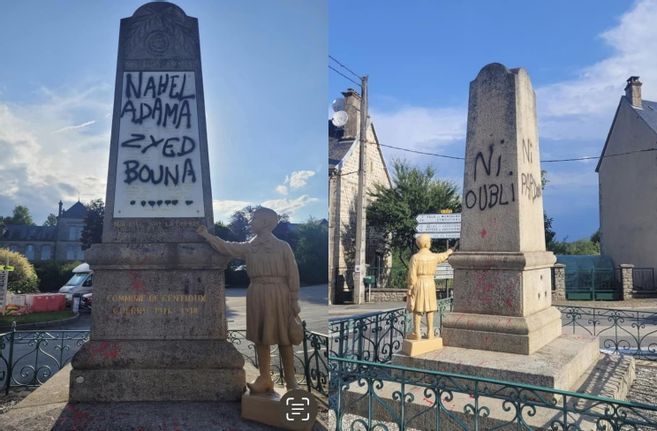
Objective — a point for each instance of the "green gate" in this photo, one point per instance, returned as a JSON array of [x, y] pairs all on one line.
[[590, 278]]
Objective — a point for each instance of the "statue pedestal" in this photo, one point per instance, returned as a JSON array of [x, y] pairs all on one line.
[[418, 347]]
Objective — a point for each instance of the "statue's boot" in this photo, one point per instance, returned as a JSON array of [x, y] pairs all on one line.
[[264, 382], [261, 385]]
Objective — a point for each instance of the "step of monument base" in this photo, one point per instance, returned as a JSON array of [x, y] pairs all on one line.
[[512, 334], [558, 365], [113, 385], [610, 376]]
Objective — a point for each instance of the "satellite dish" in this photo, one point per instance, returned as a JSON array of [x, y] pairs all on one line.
[[338, 104], [339, 118]]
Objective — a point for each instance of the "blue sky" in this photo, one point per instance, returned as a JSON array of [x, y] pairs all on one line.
[[264, 69], [420, 57]]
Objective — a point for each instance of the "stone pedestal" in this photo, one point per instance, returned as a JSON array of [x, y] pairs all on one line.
[[158, 327], [557, 365], [419, 347]]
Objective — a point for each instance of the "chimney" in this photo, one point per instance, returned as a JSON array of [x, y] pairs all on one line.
[[352, 106], [60, 208], [633, 91]]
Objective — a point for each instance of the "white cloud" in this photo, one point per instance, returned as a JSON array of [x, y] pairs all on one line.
[[223, 209], [294, 181], [420, 128], [299, 179], [289, 206], [75, 127], [582, 107], [39, 167]]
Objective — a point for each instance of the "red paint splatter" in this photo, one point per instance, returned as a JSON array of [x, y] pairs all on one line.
[[508, 302], [483, 233], [137, 283], [105, 349]]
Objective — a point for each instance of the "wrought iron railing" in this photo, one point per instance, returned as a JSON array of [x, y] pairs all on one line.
[[643, 280], [29, 358], [375, 336], [620, 331], [374, 396]]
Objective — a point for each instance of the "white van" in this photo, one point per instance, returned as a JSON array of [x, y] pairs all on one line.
[[81, 282]]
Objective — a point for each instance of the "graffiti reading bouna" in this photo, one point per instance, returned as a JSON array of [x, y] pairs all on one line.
[[159, 158]]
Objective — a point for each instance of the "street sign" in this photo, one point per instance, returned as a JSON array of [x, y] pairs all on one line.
[[444, 271], [439, 218], [438, 227], [441, 235]]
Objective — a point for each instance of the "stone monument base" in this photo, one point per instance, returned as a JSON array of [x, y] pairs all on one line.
[[558, 365], [520, 335], [419, 347], [266, 409], [157, 370]]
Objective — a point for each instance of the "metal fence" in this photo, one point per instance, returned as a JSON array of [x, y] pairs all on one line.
[[593, 284], [620, 331], [374, 396], [29, 358], [643, 280]]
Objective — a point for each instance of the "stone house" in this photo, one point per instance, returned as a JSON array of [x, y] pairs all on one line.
[[46, 243], [344, 153], [627, 179]]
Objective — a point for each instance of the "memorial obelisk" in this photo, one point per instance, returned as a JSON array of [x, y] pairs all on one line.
[[158, 328], [503, 324]]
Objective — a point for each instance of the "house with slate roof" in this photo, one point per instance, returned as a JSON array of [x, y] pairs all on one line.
[[344, 153], [627, 179], [45, 243]]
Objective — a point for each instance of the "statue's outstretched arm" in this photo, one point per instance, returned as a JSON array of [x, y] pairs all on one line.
[[235, 249]]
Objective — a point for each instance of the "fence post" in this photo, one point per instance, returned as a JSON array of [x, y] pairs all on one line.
[[627, 281], [306, 360], [10, 361], [559, 282]]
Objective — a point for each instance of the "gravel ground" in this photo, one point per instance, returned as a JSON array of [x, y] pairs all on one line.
[[643, 389], [14, 397]]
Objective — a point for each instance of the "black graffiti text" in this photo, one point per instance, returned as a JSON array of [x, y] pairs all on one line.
[[144, 173]]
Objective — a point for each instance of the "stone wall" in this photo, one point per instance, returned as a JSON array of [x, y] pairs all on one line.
[[386, 295], [559, 282], [627, 281]]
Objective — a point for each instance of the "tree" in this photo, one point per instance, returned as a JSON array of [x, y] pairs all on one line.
[[92, 232], [414, 192], [23, 278], [51, 220], [311, 251], [21, 215], [579, 247], [239, 224], [595, 238]]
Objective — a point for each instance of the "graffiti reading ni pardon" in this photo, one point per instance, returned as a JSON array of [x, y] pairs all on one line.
[[159, 162]]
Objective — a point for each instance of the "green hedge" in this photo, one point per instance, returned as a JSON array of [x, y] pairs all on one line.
[[53, 275]]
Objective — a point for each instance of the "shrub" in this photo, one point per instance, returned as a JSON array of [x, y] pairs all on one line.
[[53, 275], [23, 278]]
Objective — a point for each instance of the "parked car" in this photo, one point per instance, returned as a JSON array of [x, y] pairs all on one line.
[[80, 283]]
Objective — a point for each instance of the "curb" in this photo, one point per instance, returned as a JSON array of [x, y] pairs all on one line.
[[42, 325]]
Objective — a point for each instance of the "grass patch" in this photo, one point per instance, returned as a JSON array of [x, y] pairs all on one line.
[[36, 317]]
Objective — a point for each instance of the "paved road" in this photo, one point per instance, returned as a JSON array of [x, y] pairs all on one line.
[[313, 301]]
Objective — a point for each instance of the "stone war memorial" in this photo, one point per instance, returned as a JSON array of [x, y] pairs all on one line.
[[503, 325], [158, 328]]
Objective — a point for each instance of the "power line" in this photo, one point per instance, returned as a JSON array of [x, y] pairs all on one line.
[[423, 152], [344, 67], [574, 159], [343, 75]]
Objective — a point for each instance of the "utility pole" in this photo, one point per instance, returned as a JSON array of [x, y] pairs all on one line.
[[361, 220]]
